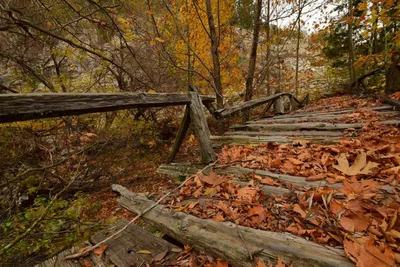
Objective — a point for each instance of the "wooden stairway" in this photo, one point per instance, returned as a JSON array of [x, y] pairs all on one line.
[[315, 128]]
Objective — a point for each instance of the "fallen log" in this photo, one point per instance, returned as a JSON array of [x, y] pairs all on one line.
[[393, 102], [244, 140], [222, 240], [298, 134], [308, 126], [181, 169], [177, 170], [334, 112], [21, 107], [318, 117], [228, 112]]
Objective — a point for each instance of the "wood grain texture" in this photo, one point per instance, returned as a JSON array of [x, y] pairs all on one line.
[[308, 126], [21, 107], [201, 129], [223, 241]]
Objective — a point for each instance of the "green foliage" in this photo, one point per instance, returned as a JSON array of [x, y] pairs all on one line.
[[66, 223], [244, 10]]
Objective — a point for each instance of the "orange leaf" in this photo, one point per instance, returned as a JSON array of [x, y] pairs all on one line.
[[100, 250], [221, 263], [213, 179], [87, 263]]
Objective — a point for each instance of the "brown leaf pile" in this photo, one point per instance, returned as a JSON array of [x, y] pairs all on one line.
[[361, 215]]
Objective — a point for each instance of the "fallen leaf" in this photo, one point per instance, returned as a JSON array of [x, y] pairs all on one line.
[[87, 263], [100, 250], [210, 192], [160, 256], [221, 263], [144, 251], [213, 179], [280, 263], [359, 166]]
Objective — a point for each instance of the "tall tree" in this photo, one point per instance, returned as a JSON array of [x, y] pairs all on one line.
[[215, 55], [350, 21], [253, 54]]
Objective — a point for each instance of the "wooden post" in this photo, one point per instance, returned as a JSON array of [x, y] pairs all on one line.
[[278, 106], [202, 131], [181, 135], [267, 109], [208, 105]]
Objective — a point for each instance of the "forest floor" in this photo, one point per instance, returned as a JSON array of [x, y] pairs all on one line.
[[356, 216]]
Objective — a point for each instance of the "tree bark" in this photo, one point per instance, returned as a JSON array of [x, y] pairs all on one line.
[[215, 55], [268, 33], [222, 240], [352, 70], [298, 48], [253, 55]]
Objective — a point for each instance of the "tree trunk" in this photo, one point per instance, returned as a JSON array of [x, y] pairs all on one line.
[[352, 70], [268, 33], [215, 56], [393, 76], [253, 56], [298, 48]]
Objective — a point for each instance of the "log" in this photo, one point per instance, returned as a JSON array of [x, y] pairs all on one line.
[[208, 104], [393, 102], [223, 241], [308, 126], [245, 139], [279, 109], [229, 112], [201, 129], [299, 134], [21, 107], [335, 112], [122, 251], [179, 169], [180, 136], [318, 117]]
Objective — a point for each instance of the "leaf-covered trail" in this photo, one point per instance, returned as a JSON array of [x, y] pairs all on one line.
[[352, 199]]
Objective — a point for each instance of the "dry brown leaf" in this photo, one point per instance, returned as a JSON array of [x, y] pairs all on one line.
[[221, 263], [160, 256], [86, 263], [100, 250], [360, 165], [213, 179]]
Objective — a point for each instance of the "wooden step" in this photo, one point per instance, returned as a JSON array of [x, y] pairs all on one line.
[[246, 139], [225, 240], [123, 251], [320, 126], [319, 117], [182, 169]]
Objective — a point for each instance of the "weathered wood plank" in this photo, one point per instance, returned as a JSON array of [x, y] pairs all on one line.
[[123, 251], [223, 241], [318, 117], [20, 107], [334, 112], [228, 112], [308, 126], [392, 102], [201, 129], [245, 139], [180, 136], [180, 169], [299, 134], [59, 260]]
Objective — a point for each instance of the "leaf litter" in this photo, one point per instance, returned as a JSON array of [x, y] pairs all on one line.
[[361, 214]]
